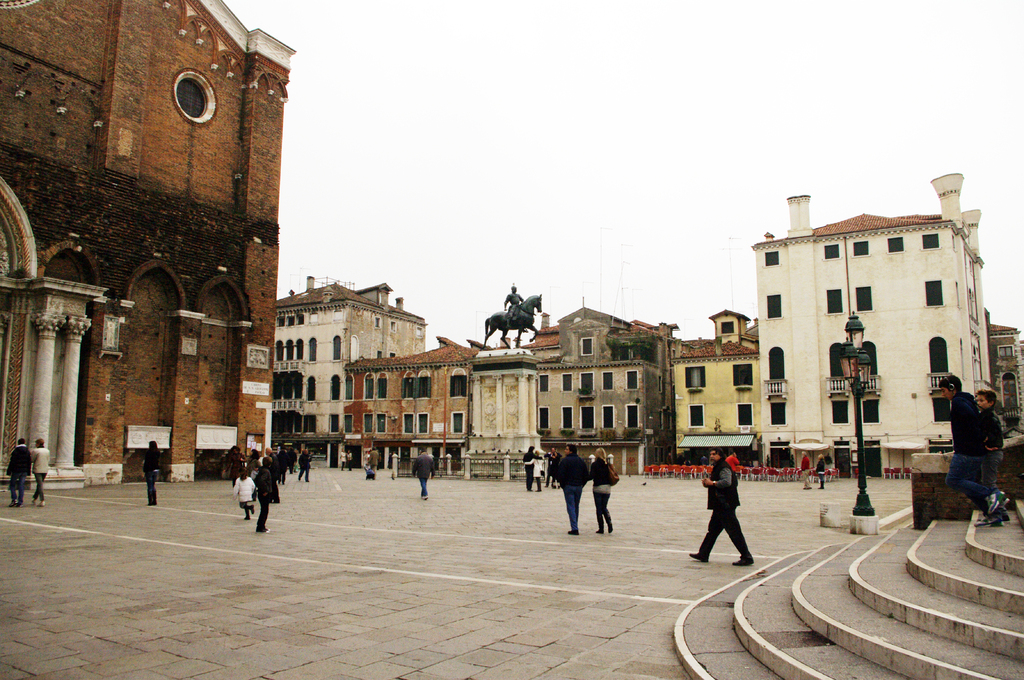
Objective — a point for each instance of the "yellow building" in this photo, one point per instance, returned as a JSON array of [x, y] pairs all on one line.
[[717, 386]]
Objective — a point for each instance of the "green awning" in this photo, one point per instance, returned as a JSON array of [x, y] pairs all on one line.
[[707, 441]]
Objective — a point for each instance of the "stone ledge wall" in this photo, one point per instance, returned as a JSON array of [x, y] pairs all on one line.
[[932, 499]]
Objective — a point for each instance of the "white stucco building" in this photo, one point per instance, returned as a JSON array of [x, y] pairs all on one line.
[[319, 332], [915, 283]]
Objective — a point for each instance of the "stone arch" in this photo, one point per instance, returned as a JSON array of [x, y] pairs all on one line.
[[17, 243], [144, 270], [222, 295], [150, 346], [69, 261]]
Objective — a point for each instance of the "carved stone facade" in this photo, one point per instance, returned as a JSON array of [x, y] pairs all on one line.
[[139, 185]]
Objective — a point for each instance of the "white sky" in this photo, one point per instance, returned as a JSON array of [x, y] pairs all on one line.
[[630, 152]]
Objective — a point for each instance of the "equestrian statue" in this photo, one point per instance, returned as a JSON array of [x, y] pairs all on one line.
[[517, 317]]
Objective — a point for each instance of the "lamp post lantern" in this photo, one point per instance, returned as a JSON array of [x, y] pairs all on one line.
[[856, 364]]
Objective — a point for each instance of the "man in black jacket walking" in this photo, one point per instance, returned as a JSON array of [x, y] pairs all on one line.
[[573, 476], [17, 469], [723, 499], [264, 487]]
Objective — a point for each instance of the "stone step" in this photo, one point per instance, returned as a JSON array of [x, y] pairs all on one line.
[[772, 632], [999, 548], [705, 642], [823, 600], [879, 578], [939, 560]]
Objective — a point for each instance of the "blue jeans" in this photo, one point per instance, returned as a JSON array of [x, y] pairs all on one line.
[[963, 470], [601, 505], [306, 471], [573, 494], [17, 484], [423, 487], [151, 483]]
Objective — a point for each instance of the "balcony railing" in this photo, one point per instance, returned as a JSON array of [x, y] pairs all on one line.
[[775, 388], [288, 366], [841, 385], [288, 405], [934, 379]]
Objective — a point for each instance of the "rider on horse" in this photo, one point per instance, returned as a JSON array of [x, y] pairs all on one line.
[[513, 302]]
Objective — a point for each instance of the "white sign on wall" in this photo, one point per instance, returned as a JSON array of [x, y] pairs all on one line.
[[260, 389]]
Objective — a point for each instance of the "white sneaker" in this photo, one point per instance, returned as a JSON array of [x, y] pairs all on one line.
[[42, 504]]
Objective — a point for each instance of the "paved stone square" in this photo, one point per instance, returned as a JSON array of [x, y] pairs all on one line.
[[361, 579]]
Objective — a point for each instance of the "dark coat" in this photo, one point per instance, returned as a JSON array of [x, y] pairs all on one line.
[[423, 466], [991, 429], [965, 425], [572, 471], [152, 460], [21, 461], [724, 494], [303, 461], [264, 481], [599, 473]]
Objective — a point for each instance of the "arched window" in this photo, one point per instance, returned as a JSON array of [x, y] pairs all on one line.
[[355, 348], [337, 348], [335, 388], [382, 387], [298, 350], [289, 350], [349, 388], [938, 361], [835, 366], [1009, 391], [286, 383], [279, 351], [776, 364], [311, 389], [312, 349], [278, 388], [368, 387], [297, 385], [869, 347]]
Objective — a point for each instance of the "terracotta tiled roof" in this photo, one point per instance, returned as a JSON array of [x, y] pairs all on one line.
[[546, 337], [706, 348], [449, 352], [867, 222], [1001, 329]]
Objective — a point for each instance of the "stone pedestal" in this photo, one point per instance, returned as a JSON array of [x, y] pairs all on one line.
[[867, 526], [504, 384]]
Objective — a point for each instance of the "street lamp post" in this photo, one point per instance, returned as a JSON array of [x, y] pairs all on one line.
[[856, 364]]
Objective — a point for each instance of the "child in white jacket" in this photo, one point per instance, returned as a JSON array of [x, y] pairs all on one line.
[[245, 488]]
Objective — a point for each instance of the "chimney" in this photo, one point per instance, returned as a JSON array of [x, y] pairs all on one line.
[[799, 215], [310, 283], [545, 320], [400, 304], [948, 189], [718, 346], [971, 220]]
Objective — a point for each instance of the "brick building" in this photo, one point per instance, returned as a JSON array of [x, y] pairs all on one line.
[[402, 404], [1007, 369], [139, 173], [606, 382], [320, 331]]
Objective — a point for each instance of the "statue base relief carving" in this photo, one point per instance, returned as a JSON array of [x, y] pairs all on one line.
[[504, 388]]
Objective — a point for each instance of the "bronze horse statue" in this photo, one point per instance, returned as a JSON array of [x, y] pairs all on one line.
[[518, 318]]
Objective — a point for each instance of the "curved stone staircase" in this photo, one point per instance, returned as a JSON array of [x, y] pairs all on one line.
[[945, 603]]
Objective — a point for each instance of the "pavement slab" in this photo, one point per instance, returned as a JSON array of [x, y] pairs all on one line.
[[362, 580]]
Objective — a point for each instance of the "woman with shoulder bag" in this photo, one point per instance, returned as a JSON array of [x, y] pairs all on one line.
[[601, 475]]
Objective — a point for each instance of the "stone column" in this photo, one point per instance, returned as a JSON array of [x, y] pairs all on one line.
[[499, 420], [42, 390], [74, 329], [524, 404]]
